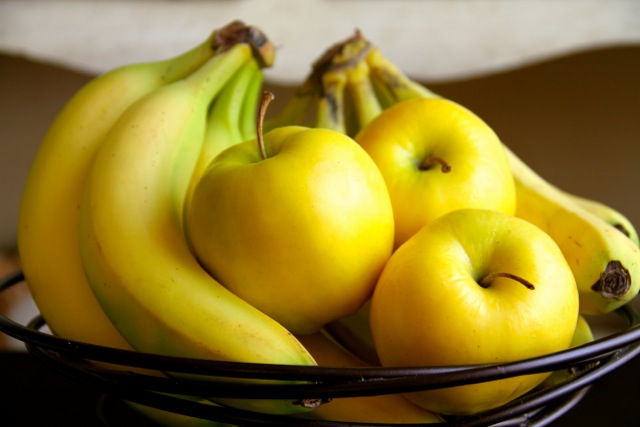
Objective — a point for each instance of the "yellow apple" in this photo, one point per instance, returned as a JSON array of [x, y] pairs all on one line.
[[474, 287], [437, 156], [301, 232]]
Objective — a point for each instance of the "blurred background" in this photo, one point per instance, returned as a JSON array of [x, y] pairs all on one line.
[[556, 79]]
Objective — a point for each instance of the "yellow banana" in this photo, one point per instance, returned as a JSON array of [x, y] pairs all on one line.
[[330, 106], [132, 239], [48, 220], [382, 409], [234, 107], [360, 86], [609, 215], [605, 262]]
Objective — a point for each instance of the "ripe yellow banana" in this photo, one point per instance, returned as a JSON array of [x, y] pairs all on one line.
[[605, 262], [391, 409], [132, 239], [48, 220], [609, 215]]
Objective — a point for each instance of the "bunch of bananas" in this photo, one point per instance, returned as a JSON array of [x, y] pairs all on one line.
[[104, 247], [115, 171]]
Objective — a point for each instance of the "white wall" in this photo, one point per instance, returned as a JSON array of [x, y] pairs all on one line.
[[429, 39]]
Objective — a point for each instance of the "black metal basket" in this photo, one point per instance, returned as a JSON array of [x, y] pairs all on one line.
[[217, 379]]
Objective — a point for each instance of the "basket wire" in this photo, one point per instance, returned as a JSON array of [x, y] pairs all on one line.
[[221, 379]]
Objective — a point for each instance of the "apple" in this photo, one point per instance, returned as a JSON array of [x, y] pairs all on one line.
[[297, 222], [474, 286], [437, 156]]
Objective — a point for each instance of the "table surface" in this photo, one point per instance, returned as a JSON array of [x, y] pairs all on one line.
[[43, 396]]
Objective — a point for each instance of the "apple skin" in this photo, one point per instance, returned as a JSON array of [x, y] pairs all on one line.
[[302, 235], [428, 308], [402, 137]]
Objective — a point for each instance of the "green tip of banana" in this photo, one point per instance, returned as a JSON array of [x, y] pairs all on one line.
[[238, 32]]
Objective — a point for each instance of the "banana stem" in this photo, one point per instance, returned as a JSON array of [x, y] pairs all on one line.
[[238, 32]]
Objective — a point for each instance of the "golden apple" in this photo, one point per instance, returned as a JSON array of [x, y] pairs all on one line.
[[437, 156], [300, 226], [474, 287]]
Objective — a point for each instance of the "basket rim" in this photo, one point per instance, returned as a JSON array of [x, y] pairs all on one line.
[[589, 361]]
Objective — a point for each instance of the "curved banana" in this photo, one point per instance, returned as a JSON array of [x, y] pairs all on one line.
[[605, 262], [382, 409], [48, 218], [132, 239], [609, 215]]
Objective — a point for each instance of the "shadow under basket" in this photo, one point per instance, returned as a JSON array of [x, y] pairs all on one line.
[[217, 379]]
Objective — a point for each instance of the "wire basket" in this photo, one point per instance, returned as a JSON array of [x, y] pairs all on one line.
[[218, 379]]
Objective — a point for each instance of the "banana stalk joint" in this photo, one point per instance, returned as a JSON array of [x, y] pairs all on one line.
[[614, 281], [238, 32]]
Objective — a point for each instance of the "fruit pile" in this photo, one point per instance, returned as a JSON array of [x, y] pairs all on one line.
[[368, 222]]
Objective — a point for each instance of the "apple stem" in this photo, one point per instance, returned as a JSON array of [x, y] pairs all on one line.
[[433, 160], [486, 281], [267, 97]]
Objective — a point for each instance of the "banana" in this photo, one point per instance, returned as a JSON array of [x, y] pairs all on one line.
[[381, 409], [360, 86], [605, 262], [48, 217], [231, 118], [609, 215], [133, 245], [162, 418], [582, 335], [330, 107], [354, 333]]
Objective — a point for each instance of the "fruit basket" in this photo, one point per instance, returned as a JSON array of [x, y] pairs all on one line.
[[114, 377]]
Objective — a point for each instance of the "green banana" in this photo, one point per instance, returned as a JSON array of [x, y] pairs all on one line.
[[48, 217], [230, 118], [133, 245]]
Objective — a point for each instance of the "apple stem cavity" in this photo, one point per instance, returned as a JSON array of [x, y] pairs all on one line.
[[487, 280], [266, 99], [431, 161]]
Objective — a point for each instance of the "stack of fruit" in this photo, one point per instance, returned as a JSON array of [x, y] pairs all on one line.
[[369, 222]]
